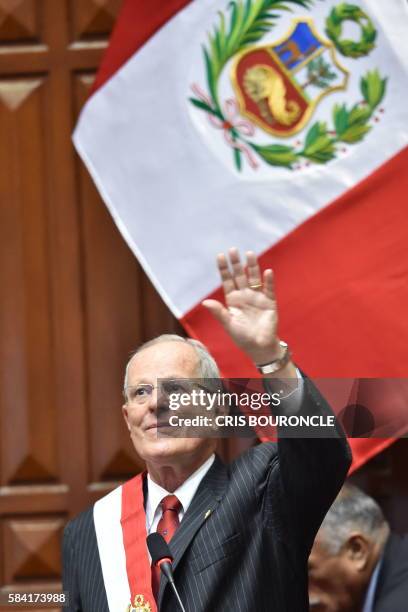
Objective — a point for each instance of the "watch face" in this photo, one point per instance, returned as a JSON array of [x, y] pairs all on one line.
[[268, 368], [273, 367]]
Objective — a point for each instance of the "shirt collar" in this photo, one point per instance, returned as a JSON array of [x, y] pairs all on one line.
[[369, 599], [184, 493]]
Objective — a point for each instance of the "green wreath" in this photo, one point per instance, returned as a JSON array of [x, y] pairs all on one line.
[[351, 12], [249, 21]]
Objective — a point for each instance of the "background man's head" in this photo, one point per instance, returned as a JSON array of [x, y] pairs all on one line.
[[166, 357], [346, 551]]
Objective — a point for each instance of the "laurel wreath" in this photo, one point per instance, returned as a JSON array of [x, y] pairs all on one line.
[[249, 20], [351, 12]]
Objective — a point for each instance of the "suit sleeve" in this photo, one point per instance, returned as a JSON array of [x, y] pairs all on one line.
[[69, 571], [305, 475]]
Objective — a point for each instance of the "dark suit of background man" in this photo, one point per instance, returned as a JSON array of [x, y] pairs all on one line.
[[357, 564], [250, 551]]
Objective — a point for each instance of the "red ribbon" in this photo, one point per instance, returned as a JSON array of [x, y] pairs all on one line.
[[242, 127], [133, 521]]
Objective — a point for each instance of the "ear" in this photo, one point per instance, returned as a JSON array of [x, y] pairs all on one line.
[[126, 415], [358, 548]]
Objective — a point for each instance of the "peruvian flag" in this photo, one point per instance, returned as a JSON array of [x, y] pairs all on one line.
[[277, 126]]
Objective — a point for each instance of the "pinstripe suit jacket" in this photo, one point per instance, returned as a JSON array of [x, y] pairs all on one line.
[[251, 552]]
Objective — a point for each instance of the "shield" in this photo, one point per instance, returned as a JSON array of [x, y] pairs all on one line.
[[279, 85]]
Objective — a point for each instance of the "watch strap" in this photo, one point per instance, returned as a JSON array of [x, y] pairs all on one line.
[[276, 364]]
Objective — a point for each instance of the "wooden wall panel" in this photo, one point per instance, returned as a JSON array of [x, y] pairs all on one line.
[[20, 20], [56, 307], [91, 19], [31, 549], [27, 374]]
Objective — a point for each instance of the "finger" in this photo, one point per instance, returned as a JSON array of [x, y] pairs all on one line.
[[225, 273], [239, 275], [268, 284], [219, 311], [253, 271]]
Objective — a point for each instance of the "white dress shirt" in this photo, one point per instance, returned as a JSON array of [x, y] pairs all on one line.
[[184, 493]]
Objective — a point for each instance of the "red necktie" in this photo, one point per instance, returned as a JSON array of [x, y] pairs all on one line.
[[167, 526]]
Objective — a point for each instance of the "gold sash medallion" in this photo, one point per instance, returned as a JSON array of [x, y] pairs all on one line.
[[139, 605]]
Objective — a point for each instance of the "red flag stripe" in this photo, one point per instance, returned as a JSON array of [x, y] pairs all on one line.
[[133, 521], [341, 285], [365, 448], [342, 290]]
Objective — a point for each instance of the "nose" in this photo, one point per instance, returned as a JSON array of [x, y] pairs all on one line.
[[158, 400]]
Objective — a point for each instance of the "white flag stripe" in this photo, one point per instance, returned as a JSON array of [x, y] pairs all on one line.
[[176, 196], [393, 18]]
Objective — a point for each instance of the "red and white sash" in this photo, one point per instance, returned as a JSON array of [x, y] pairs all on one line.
[[120, 525]]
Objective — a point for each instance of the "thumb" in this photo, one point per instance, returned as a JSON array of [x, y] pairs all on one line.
[[218, 311]]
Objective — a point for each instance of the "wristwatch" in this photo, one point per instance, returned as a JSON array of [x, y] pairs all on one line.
[[276, 364]]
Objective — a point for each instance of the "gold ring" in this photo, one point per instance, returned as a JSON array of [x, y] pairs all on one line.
[[258, 286]]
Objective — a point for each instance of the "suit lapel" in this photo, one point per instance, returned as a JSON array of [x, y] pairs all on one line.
[[211, 490]]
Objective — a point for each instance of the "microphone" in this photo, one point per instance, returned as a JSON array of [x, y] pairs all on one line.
[[162, 558]]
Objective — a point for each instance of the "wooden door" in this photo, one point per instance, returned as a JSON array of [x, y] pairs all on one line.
[[74, 302]]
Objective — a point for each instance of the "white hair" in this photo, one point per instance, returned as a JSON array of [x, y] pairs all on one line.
[[353, 510], [207, 366]]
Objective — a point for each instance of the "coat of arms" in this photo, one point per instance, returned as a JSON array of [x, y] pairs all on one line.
[[279, 84], [139, 605]]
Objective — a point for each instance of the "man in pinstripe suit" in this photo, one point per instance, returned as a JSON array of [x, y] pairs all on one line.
[[245, 530]]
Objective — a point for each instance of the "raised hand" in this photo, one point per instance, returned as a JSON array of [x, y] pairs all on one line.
[[250, 315]]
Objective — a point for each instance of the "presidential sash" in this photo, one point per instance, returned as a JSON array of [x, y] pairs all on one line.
[[120, 525]]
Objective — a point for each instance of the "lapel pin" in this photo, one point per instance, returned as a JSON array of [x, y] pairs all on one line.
[[207, 514]]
